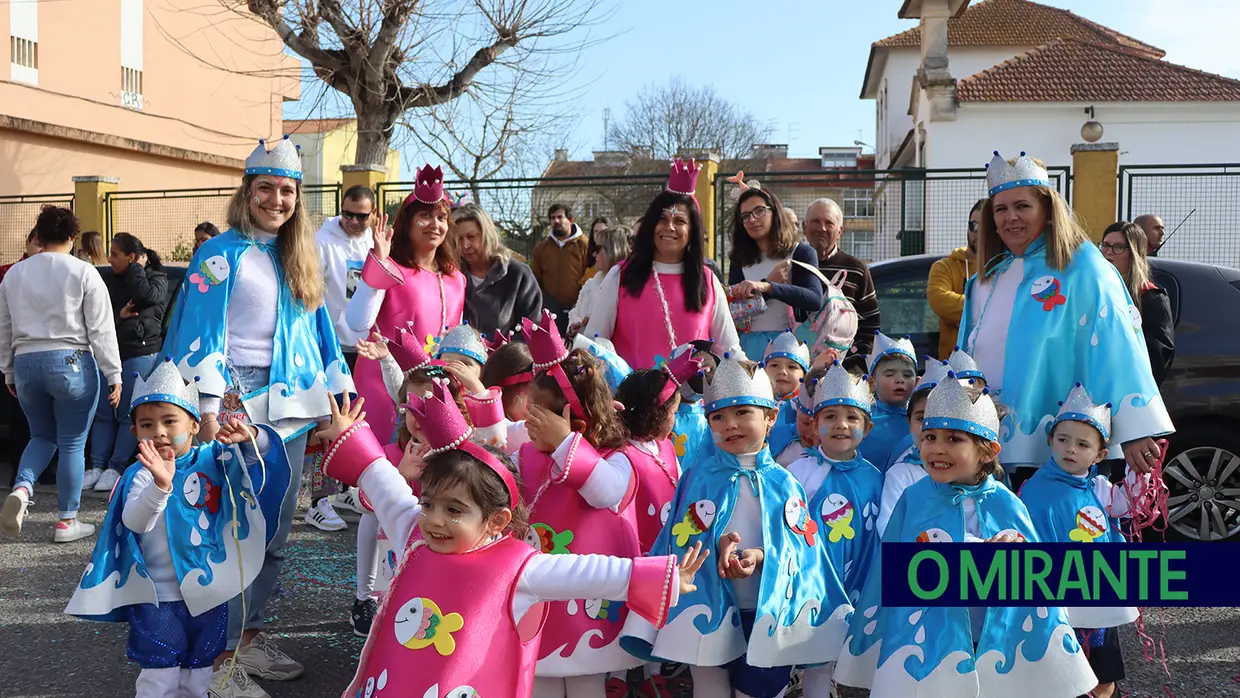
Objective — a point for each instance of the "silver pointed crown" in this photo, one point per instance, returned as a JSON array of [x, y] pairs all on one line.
[[805, 397], [886, 346], [787, 346], [284, 160], [936, 372], [948, 407], [1000, 176], [964, 365], [731, 384], [1079, 408], [839, 387], [463, 340], [165, 384]]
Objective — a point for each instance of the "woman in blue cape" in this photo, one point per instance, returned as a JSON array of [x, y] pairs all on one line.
[[251, 326], [960, 652]]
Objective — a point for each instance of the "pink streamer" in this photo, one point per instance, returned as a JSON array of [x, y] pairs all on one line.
[[1148, 504]]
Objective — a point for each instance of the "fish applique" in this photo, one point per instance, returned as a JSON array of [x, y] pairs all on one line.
[[1046, 292], [546, 539], [934, 535], [697, 520], [458, 692], [602, 609], [420, 623], [213, 271], [201, 493], [796, 514], [1091, 524], [1020, 537], [837, 513]]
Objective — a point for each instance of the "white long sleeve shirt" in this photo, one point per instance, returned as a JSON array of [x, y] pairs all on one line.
[[343, 256], [746, 520], [898, 478], [607, 299], [55, 301]]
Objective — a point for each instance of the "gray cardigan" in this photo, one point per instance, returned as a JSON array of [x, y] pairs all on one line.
[[508, 293]]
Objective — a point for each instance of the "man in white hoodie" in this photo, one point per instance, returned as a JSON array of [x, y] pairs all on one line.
[[344, 241]]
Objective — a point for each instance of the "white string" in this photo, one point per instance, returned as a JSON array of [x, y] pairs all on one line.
[[230, 664], [667, 313]]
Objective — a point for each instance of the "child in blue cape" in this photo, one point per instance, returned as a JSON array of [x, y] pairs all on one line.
[[802, 439], [1070, 502], [843, 490], [182, 525], [893, 371], [786, 361], [773, 601], [691, 434], [965, 369], [960, 652]]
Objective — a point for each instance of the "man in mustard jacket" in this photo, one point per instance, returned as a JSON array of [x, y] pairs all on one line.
[[945, 289]]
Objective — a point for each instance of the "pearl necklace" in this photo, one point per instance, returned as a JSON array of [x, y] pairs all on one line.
[[667, 313]]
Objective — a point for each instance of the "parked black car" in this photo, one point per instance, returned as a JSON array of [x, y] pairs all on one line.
[[1202, 389]]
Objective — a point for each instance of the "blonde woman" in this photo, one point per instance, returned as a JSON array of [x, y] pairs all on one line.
[[611, 246], [1126, 246], [1046, 312], [499, 290], [251, 326]]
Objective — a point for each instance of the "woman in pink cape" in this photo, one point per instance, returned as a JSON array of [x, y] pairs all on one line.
[[412, 276]]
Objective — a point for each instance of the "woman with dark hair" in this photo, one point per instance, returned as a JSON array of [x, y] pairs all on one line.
[[57, 337], [204, 231], [761, 241], [90, 248], [411, 279], [664, 296], [1126, 246], [138, 287], [598, 225]]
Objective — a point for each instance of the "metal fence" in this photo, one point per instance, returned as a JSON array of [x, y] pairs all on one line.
[[17, 217], [165, 219], [1201, 203], [887, 213], [519, 206]]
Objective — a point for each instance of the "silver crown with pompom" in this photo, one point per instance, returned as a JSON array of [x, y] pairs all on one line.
[[463, 340], [1079, 408], [284, 160], [948, 407], [839, 387], [787, 346], [731, 385], [936, 372], [165, 384], [964, 365], [805, 397], [1000, 176], [885, 346]]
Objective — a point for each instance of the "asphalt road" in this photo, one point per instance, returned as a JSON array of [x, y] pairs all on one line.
[[44, 653]]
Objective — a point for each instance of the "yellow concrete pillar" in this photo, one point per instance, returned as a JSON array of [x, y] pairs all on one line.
[[705, 194], [1095, 178], [373, 176], [89, 206]]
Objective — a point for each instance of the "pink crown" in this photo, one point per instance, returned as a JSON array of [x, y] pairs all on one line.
[[429, 186], [546, 346], [683, 178], [679, 370], [408, 350], [497, 340], [441, 420]]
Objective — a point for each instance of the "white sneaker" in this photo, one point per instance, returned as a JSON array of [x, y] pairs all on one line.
[[107, 480], [14, 512], [323, 517], [69, 532], [351, 499], [263, 659], [91, 477], [231, 681]]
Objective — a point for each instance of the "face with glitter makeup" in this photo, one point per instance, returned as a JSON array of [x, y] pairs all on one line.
[[741, 429], [841, 429], [671, 235], [170, 428], [452, 523]]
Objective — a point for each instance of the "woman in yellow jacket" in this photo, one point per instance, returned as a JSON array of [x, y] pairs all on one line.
[[945, 289]]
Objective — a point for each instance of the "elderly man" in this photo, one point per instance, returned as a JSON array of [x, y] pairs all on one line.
[[824, 223], [1154, 231], [945, 290]]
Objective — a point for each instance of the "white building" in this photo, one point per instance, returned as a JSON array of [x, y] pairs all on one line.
[[1013, 75]]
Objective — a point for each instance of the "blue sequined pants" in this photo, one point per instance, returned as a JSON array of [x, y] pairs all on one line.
[[167, 636]]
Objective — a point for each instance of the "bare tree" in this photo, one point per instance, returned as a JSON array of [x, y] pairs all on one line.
[[391, 56], [675, 116]]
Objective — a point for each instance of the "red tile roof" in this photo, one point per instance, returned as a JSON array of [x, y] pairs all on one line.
[[308, 126], [1069, 70], [1019, 23]]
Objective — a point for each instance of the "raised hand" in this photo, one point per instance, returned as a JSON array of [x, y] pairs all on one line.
[[162, 466], [344, 414], [413, 462], [375, 348], [547, 429], [689, 566], [235, 431], [382, 237], [469, 376]]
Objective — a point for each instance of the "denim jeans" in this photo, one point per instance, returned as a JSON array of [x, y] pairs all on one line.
[[57, 391], [249, 379], [112, 444]]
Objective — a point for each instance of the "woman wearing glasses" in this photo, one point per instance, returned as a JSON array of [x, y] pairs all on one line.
[[945, 289], [664, 295], [1124, 244], [761, 241]]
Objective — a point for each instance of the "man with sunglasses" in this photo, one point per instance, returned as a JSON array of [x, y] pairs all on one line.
[[945, 289]]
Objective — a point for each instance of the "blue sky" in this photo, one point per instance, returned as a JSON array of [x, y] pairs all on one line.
[[798, 64]]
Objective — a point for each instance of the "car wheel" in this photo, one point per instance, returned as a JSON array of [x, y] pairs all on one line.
[[1203, 479]]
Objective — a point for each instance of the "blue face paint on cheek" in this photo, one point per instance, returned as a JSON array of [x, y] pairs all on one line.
[[180, 439], [858, 434]]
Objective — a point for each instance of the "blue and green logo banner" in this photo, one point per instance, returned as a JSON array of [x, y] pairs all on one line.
[[1061, 574]]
